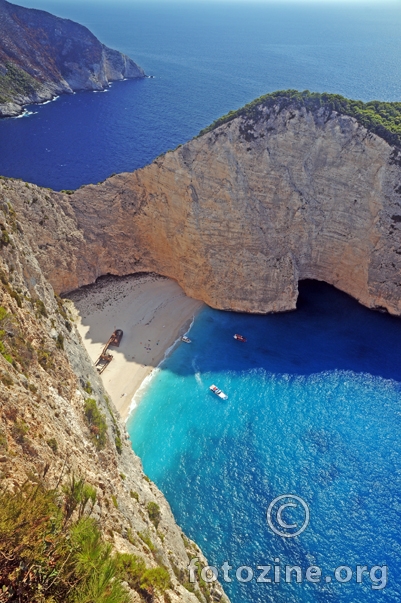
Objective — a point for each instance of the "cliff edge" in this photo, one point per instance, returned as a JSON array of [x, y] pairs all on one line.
[[42, 55], [276, 193], [67, 468]]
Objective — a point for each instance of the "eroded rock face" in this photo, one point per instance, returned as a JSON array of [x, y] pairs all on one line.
[[45, 378], [239, 215], [42, 55]]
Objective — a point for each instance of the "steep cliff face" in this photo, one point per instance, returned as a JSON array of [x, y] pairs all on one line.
[[46, 379], [42, 55], [239, 215]]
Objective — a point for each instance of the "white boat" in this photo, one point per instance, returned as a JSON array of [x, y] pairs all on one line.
[[186, 339], [218, 392]]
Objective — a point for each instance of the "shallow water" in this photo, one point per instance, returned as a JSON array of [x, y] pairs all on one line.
[[313, 410]]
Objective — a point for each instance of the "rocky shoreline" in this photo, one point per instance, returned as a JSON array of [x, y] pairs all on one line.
[[43, 56]]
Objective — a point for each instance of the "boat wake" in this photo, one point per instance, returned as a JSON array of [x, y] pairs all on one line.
[[197, 373]]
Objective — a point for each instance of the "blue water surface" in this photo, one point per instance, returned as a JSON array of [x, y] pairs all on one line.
[[207, 58], [313, 410]]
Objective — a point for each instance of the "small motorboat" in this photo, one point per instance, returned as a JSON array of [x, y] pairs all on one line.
[[186, 339], [218, 392], [239, 337]]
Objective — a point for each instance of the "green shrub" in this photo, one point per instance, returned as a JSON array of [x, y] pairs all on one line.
[[381, 118], [189, 586], [6, 379], [45, 359], [130, 537], [156, 580], [88, 388], [19, 431], [145, 537], [60, 341], [117, 438], [118, 443], [134, 495], [3, 313], [4, 238], [52, 443], [77, 495], [3, 441], [40, 308], [17, 298], [97, 423], [114, 499], [154, 513], [131, 568]]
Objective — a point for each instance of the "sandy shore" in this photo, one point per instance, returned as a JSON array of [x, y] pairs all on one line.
[[152, 311]]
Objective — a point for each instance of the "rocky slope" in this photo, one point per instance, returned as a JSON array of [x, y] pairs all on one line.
[[42, 55], [46, 378], [240, 214]]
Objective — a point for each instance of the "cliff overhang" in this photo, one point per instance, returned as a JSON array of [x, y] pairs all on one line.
[[283, 190]]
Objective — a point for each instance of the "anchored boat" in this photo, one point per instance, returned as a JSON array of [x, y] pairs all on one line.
[[186, 339], [218, 392], [239, 337]]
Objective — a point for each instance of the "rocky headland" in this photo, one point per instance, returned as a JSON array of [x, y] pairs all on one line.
[[291, 187], [42, 55]]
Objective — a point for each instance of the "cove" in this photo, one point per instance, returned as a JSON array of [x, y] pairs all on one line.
[[313, 410]]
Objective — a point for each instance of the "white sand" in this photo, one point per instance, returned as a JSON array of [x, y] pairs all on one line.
[[152, 311]]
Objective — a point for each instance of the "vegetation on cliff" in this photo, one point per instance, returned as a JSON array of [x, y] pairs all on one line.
[[381, 118], [52, 550], [16, 82], [42, 55], [96, 538]]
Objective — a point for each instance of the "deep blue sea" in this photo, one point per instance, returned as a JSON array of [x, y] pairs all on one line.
[[206, 58], [314, 395]]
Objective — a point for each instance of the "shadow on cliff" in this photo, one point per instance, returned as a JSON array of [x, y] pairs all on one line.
[[329, 331]]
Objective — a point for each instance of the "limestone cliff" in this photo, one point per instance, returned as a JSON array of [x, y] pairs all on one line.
[[42, 55], [46, 379], [240, 214]]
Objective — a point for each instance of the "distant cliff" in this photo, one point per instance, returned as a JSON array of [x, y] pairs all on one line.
[[42, 55], [289, 188]]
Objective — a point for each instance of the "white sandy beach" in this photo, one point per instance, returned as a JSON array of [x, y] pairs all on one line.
[[152, 311]]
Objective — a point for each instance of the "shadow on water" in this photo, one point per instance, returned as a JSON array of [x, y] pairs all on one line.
[[328, 331]]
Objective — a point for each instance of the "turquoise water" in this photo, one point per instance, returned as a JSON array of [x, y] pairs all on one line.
[[313, 410], [207, 58]]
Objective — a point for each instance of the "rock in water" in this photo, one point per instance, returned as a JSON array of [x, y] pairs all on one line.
[[42, 55]]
